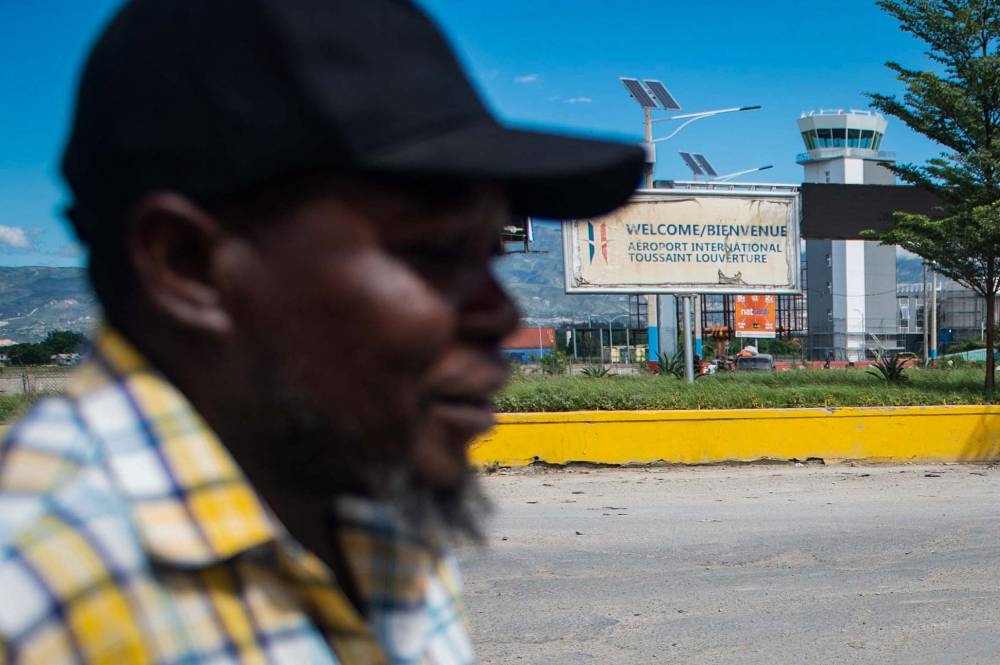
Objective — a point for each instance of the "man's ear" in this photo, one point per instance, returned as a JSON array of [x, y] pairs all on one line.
[[173, 245]]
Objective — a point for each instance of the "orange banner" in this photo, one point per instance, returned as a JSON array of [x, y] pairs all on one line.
[[755, 316]]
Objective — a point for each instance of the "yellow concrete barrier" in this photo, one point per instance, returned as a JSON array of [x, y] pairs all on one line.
[[904, 434]]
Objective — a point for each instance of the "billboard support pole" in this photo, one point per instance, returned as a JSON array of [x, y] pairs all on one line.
[[688, 343], [698, 334], [666, 326]]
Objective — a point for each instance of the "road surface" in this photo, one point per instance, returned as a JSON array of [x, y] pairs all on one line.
[[749, 565]]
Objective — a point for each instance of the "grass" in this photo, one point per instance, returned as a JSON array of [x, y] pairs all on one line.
[[732, 390], [11, 406], [741, 390]]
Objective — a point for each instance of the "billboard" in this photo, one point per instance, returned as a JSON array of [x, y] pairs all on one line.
[[696, 241], [754, 316]]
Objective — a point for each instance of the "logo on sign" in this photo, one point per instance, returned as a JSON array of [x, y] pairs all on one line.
[[593, 243]]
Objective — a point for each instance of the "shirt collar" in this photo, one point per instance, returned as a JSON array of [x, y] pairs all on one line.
[[191, 503], [193, 507]]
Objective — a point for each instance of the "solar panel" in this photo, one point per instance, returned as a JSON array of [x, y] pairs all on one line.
[[662, 95], [692, 164], [638, 93], [711, 172]]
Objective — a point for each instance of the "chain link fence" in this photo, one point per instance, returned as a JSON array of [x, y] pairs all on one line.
[[21, 381]]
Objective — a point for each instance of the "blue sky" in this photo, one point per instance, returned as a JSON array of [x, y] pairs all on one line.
[[550, 64]]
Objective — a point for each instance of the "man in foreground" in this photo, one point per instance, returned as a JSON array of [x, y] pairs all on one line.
[[291, 208]]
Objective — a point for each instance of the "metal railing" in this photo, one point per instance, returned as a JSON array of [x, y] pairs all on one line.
[[833, 153]]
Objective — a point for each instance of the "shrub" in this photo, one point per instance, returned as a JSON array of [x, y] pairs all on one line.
[[890, 368], [555, 363], [672, 366], [739, 390]]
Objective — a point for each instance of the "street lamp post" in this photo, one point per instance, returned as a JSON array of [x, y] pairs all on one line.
[[864, 340], [611, 321], [652, 94], [692, 117]]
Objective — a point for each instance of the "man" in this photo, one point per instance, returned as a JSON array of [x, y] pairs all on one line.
[[291, 208]]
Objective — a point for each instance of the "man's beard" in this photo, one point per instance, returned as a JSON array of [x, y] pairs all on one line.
[[328, 454]]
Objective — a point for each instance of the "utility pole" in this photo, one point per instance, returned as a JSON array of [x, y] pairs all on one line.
[[934, 335], [611, 343], [653, 95], [924, 303]]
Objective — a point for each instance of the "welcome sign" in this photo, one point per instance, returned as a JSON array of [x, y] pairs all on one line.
[[688, 242]]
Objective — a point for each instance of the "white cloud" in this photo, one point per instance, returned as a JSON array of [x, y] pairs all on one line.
[[14, 237], [527, 78], [578, 100]]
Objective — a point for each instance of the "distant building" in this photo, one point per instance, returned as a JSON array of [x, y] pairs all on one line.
[[65, 359], [529, 345], [850, 283], [961, 314]]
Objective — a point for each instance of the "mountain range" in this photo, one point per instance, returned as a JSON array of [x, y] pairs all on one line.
[[35, 300], [536, 281]]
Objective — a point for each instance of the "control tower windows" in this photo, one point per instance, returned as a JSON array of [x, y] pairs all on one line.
[[841, 137]]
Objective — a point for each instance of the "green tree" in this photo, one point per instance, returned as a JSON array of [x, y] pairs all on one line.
[[28, 354], [958, 106], [64, 341]]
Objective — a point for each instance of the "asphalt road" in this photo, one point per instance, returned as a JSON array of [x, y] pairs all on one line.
[[749, 565]]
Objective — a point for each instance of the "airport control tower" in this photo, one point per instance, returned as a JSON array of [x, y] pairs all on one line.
[[851, 283]]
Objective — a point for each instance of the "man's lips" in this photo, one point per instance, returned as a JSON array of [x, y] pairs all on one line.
[[465, 417], [466, 401]]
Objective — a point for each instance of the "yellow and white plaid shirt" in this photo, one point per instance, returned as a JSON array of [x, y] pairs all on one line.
[[129, 535]]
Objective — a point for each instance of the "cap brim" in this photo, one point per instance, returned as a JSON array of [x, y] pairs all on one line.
[[546, 175]]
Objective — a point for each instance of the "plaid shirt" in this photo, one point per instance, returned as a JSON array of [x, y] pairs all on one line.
[[129, 535]]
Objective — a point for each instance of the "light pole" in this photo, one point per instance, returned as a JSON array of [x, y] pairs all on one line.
[[688, 118], [724, 178], [864, 339], [600, 333], [700, 166], [926, 328], [651, 94], [610, 322], [934, 323], [611, 339]]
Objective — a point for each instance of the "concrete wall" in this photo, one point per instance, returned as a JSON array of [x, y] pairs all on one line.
[[908, 434], [876, 174], [881, 310]]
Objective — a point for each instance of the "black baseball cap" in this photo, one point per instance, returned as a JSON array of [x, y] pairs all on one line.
[[211, 98]]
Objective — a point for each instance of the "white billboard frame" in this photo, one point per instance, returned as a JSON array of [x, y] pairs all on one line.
[[792, 286]]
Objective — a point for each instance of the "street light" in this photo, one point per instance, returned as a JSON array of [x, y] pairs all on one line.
[[611, 343], [600, 333], [610, 321], [724, 178], [850, 336], [688, 118], [652, 94], [700, 165]]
